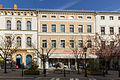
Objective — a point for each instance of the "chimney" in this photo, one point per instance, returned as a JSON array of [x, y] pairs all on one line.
[[15, 6], [1, 6], [82, 9]]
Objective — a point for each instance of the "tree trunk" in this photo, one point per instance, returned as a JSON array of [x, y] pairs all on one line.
[[78, 66], [5, 66], [44, 67]]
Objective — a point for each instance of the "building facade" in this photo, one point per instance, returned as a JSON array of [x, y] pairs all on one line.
[[65, 31], [23, 25], [56, 32]]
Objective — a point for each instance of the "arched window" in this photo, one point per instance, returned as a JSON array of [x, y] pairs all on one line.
[[28, 42], [28, 25], [8, 24], [18, 25], [8, 41], [18, 41]]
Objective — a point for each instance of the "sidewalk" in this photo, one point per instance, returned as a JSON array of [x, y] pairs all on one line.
[[17, 75]]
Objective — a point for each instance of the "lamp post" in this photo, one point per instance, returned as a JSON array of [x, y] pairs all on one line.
[[85, 50]]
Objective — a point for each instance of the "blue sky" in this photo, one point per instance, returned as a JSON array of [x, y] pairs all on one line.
[[94, 5]]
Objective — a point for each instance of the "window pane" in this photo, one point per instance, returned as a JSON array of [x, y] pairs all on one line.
[[44, 43], [44, 27], [18, 41], [18, 25], [89, 30], [80, 43], [89, 44], [62, 28], [9, 25], [71, 44], [71, 28], [53, 43], [53, 28], [62, 43], [28, 25], [80, 28], [28, 42]]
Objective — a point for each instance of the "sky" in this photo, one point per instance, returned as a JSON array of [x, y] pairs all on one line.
[[91, 5]]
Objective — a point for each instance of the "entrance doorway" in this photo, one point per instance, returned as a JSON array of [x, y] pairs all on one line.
[[19, 60], [28, 61]]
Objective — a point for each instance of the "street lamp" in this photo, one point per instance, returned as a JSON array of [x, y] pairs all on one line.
[[85, 50]]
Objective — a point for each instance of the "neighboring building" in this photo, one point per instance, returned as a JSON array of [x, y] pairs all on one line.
[[108, 26], [61, 30], [23, 25]]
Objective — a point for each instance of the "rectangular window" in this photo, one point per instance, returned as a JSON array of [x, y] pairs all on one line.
[[71, 28], [62, 28], [89, 17], [80, 43], [44, 43], [119, 18], [62, 43], [62, 17], [53, 16], [71, 44], [44, 16], [111, 17], [89, 44], [80, 28], [89, 28], [53, 43], [44, 27], [80, 17], [53, 28], [102, 17], [103, 30], [111, 30], [103, 44]]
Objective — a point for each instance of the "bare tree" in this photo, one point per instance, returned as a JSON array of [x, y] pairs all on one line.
[[7, 47], [107, 48], [76, 46], [44, 53]]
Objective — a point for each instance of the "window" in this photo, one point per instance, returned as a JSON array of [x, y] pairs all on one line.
[[53, 16], [28, 42], [8, 40], [44, 16], [80, 17], [103, 30], [80, 28], [111, 17], [71, 28], [62, 43], [62, 28], [71, 17], [53, 45], [118, 18], [18, 25], [111, 30], [88, 17], [80, 43], [102, 17], [103, 44], [71, 44], [119, 30], [44, 27], [89, 44], [9, 25], [44, 43], [62, 17], [18, 41], [28, 25], [89, 28], [53, 28]]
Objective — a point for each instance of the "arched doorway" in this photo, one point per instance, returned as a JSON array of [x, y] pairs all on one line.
[[28, 61], [19, 60]]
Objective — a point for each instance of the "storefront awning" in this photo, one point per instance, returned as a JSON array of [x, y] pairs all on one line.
[[70, 55]]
